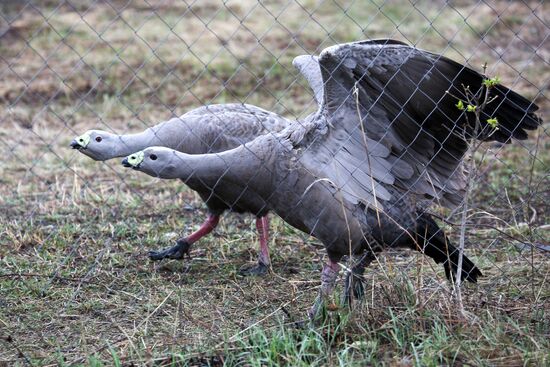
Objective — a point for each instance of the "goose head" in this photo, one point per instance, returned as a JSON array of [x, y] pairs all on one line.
[[155, 161], [96, 144]]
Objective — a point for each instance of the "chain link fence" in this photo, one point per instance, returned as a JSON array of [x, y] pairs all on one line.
[[75, 276]]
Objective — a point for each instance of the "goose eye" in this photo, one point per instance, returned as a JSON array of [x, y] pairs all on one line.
[[153, 157], [98, 139]]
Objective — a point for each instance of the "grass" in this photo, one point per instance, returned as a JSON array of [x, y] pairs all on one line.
[[76, 287]]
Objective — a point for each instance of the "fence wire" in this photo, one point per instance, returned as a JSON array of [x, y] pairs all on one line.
[[75, 232]]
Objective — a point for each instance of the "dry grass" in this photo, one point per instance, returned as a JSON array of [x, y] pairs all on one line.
[[75, 283]]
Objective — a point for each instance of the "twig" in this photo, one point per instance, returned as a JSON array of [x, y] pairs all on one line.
[[476, 104], [152, 313]]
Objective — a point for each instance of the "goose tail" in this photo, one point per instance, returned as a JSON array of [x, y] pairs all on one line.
[[436, 245]]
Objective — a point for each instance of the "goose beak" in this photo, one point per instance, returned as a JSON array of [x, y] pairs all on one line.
[[133, 161], [75, 145], [81, 142], [125, 163]]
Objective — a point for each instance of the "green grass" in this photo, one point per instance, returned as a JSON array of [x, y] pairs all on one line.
[[76, 286]]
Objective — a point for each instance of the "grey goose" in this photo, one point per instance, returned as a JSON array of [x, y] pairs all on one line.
[[206, 129], [387, 142]]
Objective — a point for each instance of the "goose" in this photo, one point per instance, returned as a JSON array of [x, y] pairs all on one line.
[[207, 129], [387, 143]]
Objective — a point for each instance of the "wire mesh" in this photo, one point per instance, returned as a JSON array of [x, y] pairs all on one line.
[[75, 233]]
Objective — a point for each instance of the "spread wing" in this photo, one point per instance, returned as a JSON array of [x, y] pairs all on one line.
[[392, 125]]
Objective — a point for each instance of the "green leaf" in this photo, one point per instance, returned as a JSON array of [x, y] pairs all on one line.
[[460, 105], [493, 122], [491, 82], [471, 108]]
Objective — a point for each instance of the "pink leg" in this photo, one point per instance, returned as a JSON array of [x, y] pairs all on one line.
[[208, 226], [262, 225], [183, 245], [328, 281], [262, 266]]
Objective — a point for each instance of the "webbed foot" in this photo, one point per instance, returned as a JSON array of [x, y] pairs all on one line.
[[257, 269], [178, 251], [354, 285]]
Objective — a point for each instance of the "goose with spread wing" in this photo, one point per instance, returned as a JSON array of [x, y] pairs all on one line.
[[206, 129], [386, 142]]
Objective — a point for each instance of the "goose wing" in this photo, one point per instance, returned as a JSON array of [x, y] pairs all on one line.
[[390, 121]]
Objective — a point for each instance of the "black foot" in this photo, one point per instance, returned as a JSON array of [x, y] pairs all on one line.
[[257, 269], [177, 252], [354, 285]]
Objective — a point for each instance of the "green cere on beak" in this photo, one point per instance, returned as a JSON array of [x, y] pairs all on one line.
[[136, 158], [83, 140]]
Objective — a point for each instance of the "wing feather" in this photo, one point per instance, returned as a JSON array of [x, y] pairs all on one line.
[[392, 122]]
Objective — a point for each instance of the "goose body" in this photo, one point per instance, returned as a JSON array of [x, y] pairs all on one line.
[[207, 129], [386, 142]]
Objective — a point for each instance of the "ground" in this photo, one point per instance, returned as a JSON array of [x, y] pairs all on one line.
[[76, 286]]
